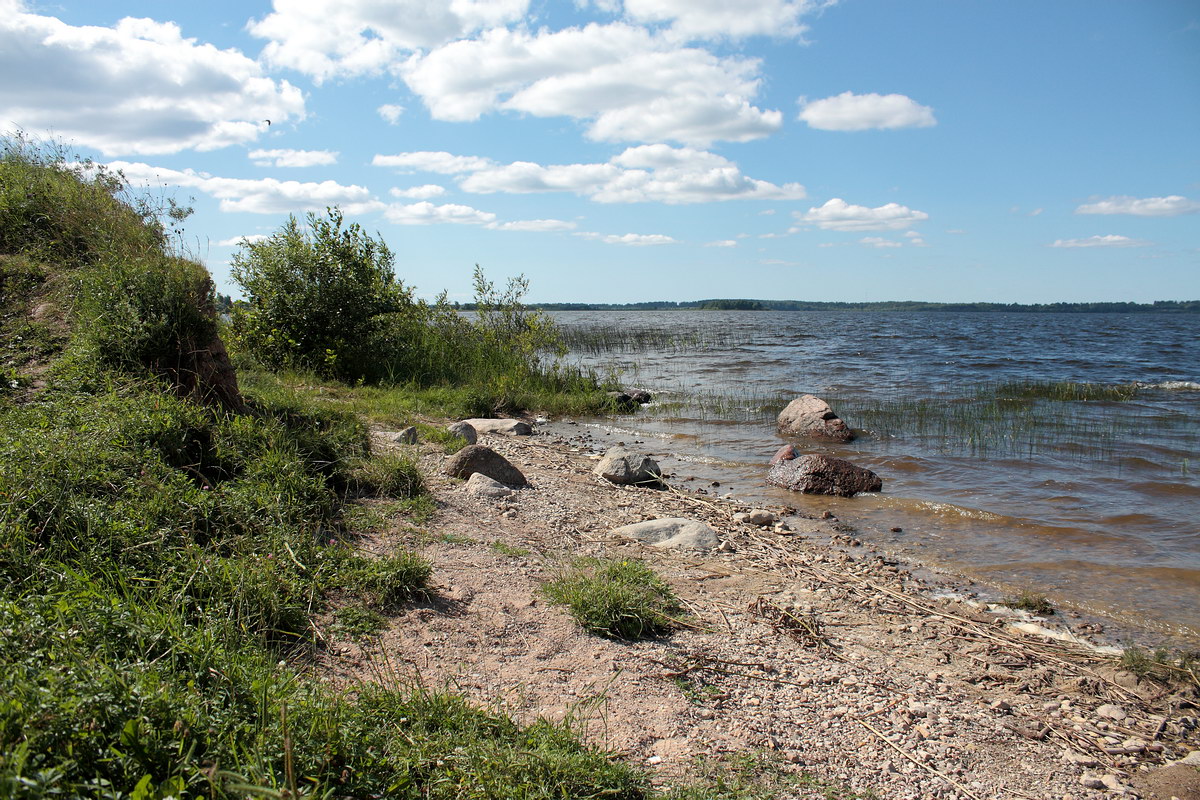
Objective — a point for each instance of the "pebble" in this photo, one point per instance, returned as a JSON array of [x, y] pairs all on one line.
[[1112, 783], [1110, 711], [1090, 781]]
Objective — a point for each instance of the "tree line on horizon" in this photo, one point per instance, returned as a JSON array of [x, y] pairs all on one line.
[[1174, 306]]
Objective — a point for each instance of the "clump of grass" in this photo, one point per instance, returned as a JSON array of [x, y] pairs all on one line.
[[597, 339], [1059, 391], [449, 442], [508, 550], [1163, 665], [358, 622], [1032, 602], [388, 475], [617, 598], [387, 582]]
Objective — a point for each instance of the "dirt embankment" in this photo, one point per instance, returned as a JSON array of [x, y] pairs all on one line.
[[805, 643]]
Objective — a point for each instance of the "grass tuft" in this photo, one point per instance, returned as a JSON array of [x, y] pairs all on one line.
[[1032, 602], [394, 475], [620, 599]]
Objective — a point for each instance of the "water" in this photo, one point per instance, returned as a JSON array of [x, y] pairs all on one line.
[[1096, 504]]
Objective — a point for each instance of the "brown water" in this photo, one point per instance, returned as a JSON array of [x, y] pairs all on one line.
[[1094, 503]]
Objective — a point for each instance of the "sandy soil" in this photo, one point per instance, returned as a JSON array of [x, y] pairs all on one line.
[[805, 642]]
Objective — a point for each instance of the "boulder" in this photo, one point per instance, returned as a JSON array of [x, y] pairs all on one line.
[[785, 453], [508, 427], [619, 465], [817, 474], [464, 430], [406, 436], [476, 458], [639, 395], [622, 401], [481, 485], [809, 415], [761, 517], [671, 533]]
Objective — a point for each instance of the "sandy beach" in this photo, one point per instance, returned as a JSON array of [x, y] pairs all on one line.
[[803, 643]]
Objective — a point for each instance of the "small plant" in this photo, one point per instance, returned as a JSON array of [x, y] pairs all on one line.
[[358, 622], [1163, 665], [390, 581], [389, 475], [508, 550], [620, 599], [449, 442], [1032, 602]]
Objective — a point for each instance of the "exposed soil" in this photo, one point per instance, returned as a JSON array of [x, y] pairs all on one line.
[[804, 642]]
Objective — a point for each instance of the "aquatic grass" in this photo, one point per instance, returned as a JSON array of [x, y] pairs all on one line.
[[1033, 602], [598, 340], [1059, 391]]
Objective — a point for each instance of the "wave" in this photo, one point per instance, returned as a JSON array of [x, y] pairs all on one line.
[[1172, 385]]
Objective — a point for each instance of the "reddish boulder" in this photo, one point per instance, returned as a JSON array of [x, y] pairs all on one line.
[[809, 415], [816, 474], [785, 453]]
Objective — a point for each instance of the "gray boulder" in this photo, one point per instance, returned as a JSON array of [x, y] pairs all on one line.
[[671, 533], [626, 467], [481, 485], [476, 458], [761, 517], [809, 415], [508, 427], [406, 436], [816, 474], [464, 430]]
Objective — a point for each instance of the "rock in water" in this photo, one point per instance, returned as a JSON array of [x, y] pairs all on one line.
[[785, 453], [508, 427], [816, 474], [624, 466], [639, 395], [464, 430], [671, 533], [622, 401], [477, 458], [809, 415]]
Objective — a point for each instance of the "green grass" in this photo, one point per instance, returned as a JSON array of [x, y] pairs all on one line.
[[510, 551], [1032, 602], [1060, 391], [388, 474], [358, 622], [595, 340], [620, 599], [1173, 668], [387, 582]]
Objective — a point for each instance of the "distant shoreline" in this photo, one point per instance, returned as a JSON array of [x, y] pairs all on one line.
[[1160, 306]]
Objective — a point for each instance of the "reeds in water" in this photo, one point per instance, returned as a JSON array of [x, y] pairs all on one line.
[[596, 340]]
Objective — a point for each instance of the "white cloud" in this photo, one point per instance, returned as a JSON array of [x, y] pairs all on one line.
[[628, 83], [259, 196], [423, 192], [431, 161], [915, 239], [722, 243], [715, 19], [633, 239], [838, 215], [1171, 206], [137, 87], [390, 113], [859, 112], [292, 158], [878, 241], [235, 241], [1109, 240], [534, 225], [646, 173], [359, 37], [426, 213]]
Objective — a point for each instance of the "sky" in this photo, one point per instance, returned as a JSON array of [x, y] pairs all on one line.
[[630, 150]]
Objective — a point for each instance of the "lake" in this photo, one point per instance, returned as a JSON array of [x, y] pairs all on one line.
[[997, 462]]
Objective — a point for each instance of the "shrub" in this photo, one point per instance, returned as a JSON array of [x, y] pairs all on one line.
[[621, 599]]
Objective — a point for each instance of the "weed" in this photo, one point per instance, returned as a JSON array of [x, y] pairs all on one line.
[[1032, 602], [620, 599], [358, 622], [449, 442], [387, 582], [1163, 665], [388, 475], [510, 551]]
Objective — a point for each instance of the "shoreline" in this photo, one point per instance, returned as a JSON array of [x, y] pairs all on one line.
[[901, 693]]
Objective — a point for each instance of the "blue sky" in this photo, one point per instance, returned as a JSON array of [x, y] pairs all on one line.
[[626, 150]]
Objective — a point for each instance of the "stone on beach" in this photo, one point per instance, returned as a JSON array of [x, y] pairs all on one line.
[[817, 474], [406, 436], [627, 467], [464, 430], [508, 427], [481, 485], [671, 533], [809, 415], [476, 458]]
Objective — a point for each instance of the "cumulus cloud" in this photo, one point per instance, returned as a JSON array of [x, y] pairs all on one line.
[[259, 196], [632, 239], [646, 173], [715, 19], [878, 241], [1171, 206], [292, 158], [360, 37], [722, 243], [1109, 240], [431, 161], [423, 192], [838, 215], [390, 113], [235, 241], [137, 87], [534, 225], [426, 213], [626, 82], [859, 112]]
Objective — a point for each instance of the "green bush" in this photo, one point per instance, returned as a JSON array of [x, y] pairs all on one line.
[[621, 599]]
